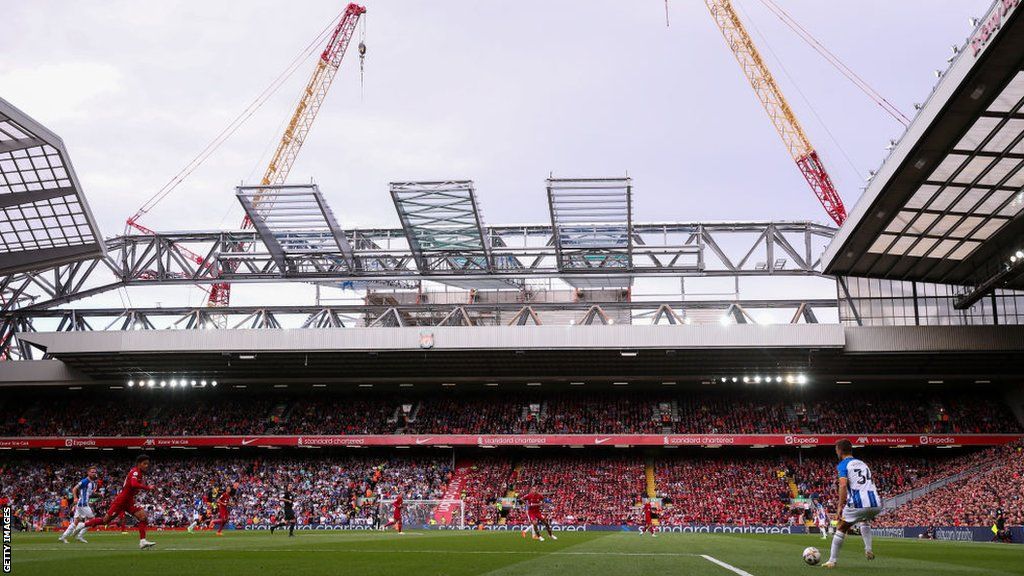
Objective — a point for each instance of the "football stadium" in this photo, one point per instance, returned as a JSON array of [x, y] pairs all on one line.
[[612, 387]]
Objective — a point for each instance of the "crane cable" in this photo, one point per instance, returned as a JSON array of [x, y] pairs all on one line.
[[807, 101], [238, 121], [836, 63]]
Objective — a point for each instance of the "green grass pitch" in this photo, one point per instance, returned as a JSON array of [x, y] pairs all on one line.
[[465, 553]]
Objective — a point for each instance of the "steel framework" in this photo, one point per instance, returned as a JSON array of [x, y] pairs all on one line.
[[445, 231], [356, 315], [592, 227], [726, 249]]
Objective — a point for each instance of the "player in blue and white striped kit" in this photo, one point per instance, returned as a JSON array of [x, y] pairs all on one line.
[[859, 501], [81, 510]]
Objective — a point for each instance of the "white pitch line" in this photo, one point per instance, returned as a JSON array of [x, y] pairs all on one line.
[[384, 551], [729, 567]]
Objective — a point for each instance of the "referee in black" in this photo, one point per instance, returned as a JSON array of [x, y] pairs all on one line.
[[288, 502]]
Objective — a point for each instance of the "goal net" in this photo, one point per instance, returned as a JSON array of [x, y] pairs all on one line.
[[425, 513]]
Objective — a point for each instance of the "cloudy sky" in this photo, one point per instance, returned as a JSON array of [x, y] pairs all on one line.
[[500, 92]]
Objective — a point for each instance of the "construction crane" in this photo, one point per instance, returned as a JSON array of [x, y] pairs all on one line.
[[298, 127], [779, 112], [287, 150]]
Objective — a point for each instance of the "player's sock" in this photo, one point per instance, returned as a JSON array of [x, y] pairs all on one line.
[[142, 530], [291, 529], [865, 532], [94, 522], [837, 543], [70, 529], [80, 529]]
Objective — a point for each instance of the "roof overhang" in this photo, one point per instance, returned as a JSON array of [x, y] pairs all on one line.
[[946, 202], [596, 353], [45, 220]]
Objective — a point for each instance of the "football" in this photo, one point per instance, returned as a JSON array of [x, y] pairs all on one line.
[[812, 555]]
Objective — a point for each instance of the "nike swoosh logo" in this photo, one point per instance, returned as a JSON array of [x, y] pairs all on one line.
[[601, 440], [247, 441], [423, 440]]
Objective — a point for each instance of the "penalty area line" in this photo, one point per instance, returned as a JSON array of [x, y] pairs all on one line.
[[728, 567]]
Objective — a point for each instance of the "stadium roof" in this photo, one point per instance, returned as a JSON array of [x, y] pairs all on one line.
[[553, 353], [442, 223], [295, 221], [44, 217], [945, 204]]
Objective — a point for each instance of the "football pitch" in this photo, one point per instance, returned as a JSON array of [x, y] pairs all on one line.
[[465, 553]]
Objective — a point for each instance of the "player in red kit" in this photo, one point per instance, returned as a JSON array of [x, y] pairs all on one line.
[[396, 519], [648, 519], [222, 507], [536, 518], [124, 503]]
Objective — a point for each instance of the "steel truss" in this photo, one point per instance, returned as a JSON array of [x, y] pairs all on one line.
[[363, 315], [382, 256]]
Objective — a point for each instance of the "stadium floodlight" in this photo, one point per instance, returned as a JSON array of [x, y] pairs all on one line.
[[629, 353], [1019, 254], [174, 383], [131, 383], [214, 383], [734, 379], [778, 379], [151, 383], [746, 380], [757, 379], [163, 384], [203, 383], [801, 379], [723, 378], [193, 383]]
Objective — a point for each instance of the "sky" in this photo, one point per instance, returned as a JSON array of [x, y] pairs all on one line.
[[503, 93]]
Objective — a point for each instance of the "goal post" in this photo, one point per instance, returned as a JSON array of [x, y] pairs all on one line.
[[425, 513]]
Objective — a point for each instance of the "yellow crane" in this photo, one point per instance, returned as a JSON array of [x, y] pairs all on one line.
[[778, 109], [300, 124]]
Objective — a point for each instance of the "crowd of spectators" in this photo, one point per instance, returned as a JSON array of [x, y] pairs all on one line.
[[972, 500], [717, 490], [723, 412], [329, 490], [737, 488]]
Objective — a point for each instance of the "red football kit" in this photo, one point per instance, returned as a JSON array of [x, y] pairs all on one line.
[[533, 502], [398, 509], [396, 520], [124, 502]]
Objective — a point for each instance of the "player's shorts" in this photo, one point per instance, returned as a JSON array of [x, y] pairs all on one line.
[[119, 506], [534, 515], [222, 512], [853, 515], [289, 515], [84, 513]]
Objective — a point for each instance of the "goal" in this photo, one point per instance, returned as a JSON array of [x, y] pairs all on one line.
[[426, 513]]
